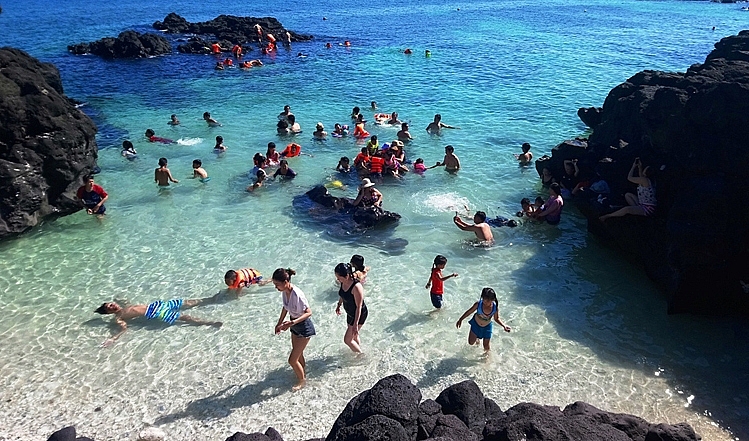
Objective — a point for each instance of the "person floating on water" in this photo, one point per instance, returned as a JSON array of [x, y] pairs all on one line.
[[237, 280], [211, 122], [151, 137], [435, 127], [199, 172], [128, 151], [486, 309], [166, 311], [480, 228], [92, 197], [436, 280], [162, 175]]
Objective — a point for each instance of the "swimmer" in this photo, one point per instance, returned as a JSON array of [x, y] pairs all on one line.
[[435, 127], [480, 228], [374, 105], [451, 162], [168, 312], [151, 136], [237, 50], [199, 172], [228, 62], [527, 209], [173, 121], [328, 45], [128, 150], [427, 53], [419, 166], [408, 51], [285, 114], [218, 66], [284, 171], [319, 132], [344, 165], [211, 122], [339, 131], [92, 197], [526, 157], [219, 147], [258, 172], [403, 134], [162, 175], [272, 156], [242, 278], [294, 127], [373, 146]]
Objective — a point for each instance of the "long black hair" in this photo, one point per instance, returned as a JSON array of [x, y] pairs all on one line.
[[283, 274]]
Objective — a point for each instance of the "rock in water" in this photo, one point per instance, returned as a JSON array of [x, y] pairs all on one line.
[[46, 144], [128, 44]]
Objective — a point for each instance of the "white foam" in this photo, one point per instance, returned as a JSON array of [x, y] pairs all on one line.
[[441, 203], [189, 141]]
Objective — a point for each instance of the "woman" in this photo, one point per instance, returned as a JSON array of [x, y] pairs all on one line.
[[368, 195], [351, 296], [551, 210], [642, 204], [301, 326]]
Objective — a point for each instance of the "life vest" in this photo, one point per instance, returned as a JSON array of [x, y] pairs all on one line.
[[246, 276], [237, 50], [359, 131], [375, 164], [381, 116], [215, 48], [228, 62], [361, 158], [291, 150]]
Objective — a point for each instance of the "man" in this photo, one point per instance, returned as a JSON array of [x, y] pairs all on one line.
[[435, 127], [480, 228], [451, 162], [285, 114], [92, 197], [168, 312]]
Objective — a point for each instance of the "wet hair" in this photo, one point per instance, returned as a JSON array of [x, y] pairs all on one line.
[[437, 117], [404, 126], [284, 162], [283, 274], [174, 115], [450, 148], [439, 260], [162, 162], [360, 118], [198, 162], [102, 309], [374, 138], [539, 199], [291, 118], [526, 147], [259, 159], [127, 145], [150, 133], [231, 274], [481, 215], [364, 150], [555, 188], [344, 270], [419, 161], [357, 262], [525, 201], [355, 111], [88, 178], [282, 124], [206, 115], [287, 107], [489, 294]]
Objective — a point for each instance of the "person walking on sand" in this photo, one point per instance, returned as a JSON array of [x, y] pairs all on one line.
[[483, 311], [166, 311], [162, 175], [435, 127], [480, 228], [351, 296], [295, 304]]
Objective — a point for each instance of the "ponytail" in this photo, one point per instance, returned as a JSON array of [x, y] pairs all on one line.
[[283, 274]]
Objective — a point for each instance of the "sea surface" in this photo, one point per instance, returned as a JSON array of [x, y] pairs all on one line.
[[586, 324]]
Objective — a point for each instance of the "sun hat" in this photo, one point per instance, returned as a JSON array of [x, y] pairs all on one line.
[[366, 183]]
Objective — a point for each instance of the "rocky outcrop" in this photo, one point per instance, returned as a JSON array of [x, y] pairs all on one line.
[[392, 410], [227, 30], [129, 44], [369, 217], [691, 128], [46, 144]]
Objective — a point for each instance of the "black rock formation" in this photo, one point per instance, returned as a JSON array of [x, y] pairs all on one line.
[[129, 44], [369, 217], [228, 30], [46, 144], [692, 129]]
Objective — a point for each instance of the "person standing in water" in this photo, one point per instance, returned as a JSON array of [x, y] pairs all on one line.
[[480, 228], [435, 127], [295, 304], [351, 296], [483, 311], [162, 175], [92, 197]]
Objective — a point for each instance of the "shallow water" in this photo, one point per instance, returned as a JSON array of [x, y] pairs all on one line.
[[586, 324]]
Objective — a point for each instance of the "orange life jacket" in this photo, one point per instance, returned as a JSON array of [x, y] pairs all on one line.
[[375, 164], [216, 48], [245, 277], [291, 150]]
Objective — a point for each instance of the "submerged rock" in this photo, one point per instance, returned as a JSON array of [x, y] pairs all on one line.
[[129, 44], [46, 144], [691, 129]]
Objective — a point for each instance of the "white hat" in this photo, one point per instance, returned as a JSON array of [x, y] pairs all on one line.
[[366, 183]]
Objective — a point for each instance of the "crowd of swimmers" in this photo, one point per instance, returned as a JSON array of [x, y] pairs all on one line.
[[372, 164]]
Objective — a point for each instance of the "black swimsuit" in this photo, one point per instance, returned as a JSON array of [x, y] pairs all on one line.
[[349, 305]]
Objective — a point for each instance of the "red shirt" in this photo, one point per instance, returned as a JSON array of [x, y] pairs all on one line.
[[96, 189], [437, 283]]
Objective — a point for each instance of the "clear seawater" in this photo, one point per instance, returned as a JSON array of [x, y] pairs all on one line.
[[587, 325]]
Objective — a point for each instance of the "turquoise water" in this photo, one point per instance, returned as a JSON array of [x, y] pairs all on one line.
[[586, 324]]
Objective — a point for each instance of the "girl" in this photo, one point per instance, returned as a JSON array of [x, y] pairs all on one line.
[[419, 166], [436, 280], [481, 323], [351, 296], [360, 271], [301, 326], [344, 165], [272, 156]]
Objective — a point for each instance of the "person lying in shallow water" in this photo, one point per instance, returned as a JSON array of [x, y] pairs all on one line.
[[166, 311]]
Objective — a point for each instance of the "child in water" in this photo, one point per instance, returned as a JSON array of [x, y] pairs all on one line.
[[481, 322], [419, 166], [219, 147], [211, 122], [344, 165], [360, 271], [436, 280], [199, 172], [162, 175], [173, 121], [128, 151], [526, 157], [527, 208]]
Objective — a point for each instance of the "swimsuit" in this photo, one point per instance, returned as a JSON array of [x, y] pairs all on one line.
[[167, 311], [205, 180], [482, 332], [349, 305], [646, 199]]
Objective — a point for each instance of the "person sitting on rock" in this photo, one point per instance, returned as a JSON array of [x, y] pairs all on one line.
[[570, 179], [168, 312], [368, 195], [644, 202]]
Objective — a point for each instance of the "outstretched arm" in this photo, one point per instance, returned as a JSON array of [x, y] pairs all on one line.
[[470, 311]]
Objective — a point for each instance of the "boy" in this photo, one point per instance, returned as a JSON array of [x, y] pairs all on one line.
[[207, 117], [162, 175], [526, 157], [92, 197], [199, 172]]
